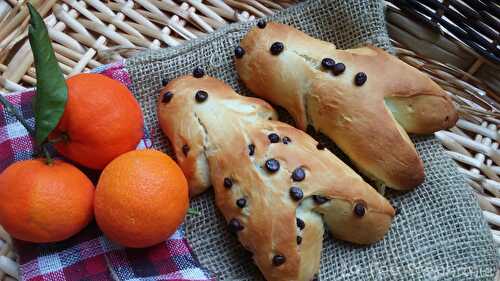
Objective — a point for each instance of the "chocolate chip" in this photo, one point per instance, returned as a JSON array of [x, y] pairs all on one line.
[[360, 78], [315, 278], [359, 209], [286, 140], [242, 202], [278, 260], [301, 224], [272, 165], [296, 193], [328, 63], [273, 138], [164, 82], [261, 24], [239, 52], [298, 174], [320, 199], [397, 211], [201, 96], [251, 149], [299, 240], [320, 146], [198, 72], [235, 225], [338, 69], [185, 149], [228, 183], [167, 97], [277, 48]]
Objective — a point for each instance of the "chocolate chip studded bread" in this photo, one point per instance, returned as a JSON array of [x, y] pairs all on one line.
[[363, 99], [272, 183]]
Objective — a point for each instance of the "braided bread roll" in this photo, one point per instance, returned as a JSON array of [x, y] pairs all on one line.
[[363, 99], [272, 183]]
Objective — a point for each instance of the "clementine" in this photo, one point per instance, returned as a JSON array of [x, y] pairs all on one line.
[[44, 203], [141, 198], [101, 120]]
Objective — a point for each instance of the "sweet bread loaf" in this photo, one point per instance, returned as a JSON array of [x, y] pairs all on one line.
[[363, 99], [274, 185]]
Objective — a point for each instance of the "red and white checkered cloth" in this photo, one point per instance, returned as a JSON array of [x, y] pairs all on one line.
[[89, 255]]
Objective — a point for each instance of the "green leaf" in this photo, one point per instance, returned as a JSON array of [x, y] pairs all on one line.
[[51, 89]]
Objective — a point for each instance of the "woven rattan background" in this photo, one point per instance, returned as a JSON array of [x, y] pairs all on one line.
[[439, 234]]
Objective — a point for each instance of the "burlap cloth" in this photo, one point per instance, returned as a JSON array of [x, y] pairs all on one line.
[[439, 234]]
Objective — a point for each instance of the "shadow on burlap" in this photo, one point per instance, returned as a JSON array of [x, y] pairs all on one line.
[[439, 234]]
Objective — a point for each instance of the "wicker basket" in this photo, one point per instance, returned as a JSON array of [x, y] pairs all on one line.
[[89, 33], [473, 22], [92, 32]]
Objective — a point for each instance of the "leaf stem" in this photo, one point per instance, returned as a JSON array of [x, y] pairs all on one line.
[[48, 158], [12, 110]]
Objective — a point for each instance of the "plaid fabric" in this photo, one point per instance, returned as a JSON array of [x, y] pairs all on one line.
[[89, 255], [15, 143]]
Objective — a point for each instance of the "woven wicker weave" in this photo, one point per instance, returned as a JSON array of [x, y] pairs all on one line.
[[90, 33], [476, 23]]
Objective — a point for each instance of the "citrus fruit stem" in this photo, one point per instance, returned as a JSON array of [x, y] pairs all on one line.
[[48, 158], [12, 110]]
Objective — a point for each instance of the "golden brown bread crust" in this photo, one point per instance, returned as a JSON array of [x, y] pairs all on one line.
[[218, 132], [360, 119]]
